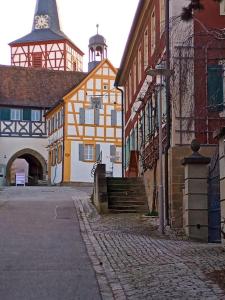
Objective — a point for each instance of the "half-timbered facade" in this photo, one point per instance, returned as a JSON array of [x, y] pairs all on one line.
[[46, 46], [90, 129], [193, 107], [25, 97]]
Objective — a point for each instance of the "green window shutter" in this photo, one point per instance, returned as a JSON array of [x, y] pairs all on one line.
[[81, 152], [97, 116], [97, 151], [82, 116], [5, 114], [215, 86], [26, 114], [113, 118]]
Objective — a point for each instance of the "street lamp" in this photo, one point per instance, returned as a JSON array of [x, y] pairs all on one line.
[[160, 71]]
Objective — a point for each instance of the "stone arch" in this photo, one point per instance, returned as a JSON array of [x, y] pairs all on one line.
[[34, 159]]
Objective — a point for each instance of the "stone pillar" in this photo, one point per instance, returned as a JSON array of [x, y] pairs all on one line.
[[221, 137], [195, 201], [100, 189]]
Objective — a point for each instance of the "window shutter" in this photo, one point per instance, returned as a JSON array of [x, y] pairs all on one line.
[[215, 86], [81, 152], [82, 116], [113, 118], [26, 114], [97, 116], [112, 153], [5, 114], [97, 151]]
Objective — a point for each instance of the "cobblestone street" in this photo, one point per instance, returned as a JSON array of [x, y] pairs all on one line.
[[133, 261]]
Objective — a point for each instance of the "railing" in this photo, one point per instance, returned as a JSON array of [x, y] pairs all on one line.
[[23, 129], [98, 161]]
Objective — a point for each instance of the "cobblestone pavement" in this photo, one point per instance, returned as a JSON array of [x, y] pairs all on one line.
[[133, 261]]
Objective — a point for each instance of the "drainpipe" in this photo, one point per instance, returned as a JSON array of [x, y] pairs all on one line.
[[63, 151], [168, 110], [122, 96]]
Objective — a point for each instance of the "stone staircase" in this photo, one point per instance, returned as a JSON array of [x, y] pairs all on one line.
[[126, 195]]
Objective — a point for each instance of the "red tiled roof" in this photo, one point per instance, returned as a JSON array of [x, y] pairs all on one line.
[[35, 87]]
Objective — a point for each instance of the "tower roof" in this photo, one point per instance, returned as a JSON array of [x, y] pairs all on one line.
[[97, 39], [44, 9]]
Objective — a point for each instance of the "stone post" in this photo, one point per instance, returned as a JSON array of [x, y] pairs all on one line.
[[100, 189], [195, 201], [221, 137]]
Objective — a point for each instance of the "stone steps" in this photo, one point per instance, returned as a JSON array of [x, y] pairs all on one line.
[[126, 195]]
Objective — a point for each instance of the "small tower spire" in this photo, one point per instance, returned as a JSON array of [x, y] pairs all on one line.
[[97, 49]]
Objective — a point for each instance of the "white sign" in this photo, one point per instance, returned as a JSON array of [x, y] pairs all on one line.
[[20, 179]]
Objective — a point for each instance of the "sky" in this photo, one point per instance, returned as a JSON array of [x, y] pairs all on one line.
[[78, 21]]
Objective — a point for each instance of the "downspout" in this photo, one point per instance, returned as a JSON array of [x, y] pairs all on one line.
[[122, 96], [168, 111], [63, 142]]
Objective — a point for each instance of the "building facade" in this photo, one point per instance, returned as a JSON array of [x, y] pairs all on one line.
[[196, 97], [85, 128], [23, 129], [46, 46]]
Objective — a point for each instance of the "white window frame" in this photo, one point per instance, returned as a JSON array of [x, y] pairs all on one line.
[[89, 152], [15, 114], [35, 115], [119, 118], [89, 116], [222, 8], [146, 45], [153, 31], [162, 16], [118, 157]]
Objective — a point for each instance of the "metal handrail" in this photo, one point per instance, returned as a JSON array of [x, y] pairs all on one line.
[[98, 161]]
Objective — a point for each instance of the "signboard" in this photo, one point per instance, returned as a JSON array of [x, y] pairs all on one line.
[[20, 179]]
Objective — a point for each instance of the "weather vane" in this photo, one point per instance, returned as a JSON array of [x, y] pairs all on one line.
[[97, 27]]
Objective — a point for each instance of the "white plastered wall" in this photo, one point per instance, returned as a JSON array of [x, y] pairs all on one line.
[[81, 171]]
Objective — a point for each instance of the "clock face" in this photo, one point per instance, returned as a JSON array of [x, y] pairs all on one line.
[[41, 22]]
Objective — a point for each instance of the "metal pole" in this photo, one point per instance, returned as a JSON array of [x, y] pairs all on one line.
[[161, 189]]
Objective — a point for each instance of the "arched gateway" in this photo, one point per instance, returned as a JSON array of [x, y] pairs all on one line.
[[37, 166]]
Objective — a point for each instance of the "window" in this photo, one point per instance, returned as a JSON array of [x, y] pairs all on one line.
[[115, 154], [16, 114], [135, 75], [146, 49], [222, 8], [215, 87], [89, 152], [89, 116], [162, 16], [49, 127], [37, 60], [74, 66], [130, 88], [59, 158], [56, 122], [116, 118], [139, 64], [153, 32], [59, 118], [35, 115]]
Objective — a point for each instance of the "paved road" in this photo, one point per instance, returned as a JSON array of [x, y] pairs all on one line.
[[42, 255]]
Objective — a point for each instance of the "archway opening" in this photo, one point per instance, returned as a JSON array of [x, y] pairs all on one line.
[[29, 162]]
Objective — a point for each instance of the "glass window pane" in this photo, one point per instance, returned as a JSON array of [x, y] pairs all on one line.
[[35, 115], [15, 114]]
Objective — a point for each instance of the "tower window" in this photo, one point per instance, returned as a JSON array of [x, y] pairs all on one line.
[[37, 60], [74, 66]]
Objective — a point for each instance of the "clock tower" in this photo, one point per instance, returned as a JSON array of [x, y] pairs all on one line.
[[46, 46]]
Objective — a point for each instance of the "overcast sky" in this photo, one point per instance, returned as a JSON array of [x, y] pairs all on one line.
[[78, 21]]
